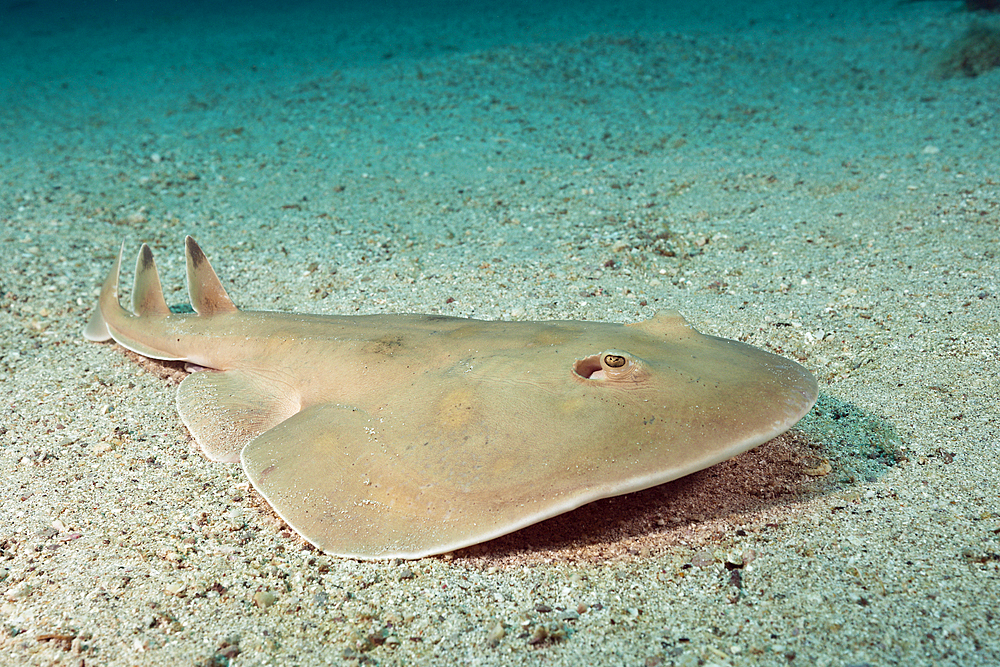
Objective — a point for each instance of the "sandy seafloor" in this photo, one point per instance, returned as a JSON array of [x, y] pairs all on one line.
[[806, 177]]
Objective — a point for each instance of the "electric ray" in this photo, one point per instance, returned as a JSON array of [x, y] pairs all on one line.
[[384, 436]]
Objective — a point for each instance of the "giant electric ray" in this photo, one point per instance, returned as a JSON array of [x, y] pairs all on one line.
[[384, 436]]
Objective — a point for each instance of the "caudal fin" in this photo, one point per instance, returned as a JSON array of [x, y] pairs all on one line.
[[97, 326], [141, 329]]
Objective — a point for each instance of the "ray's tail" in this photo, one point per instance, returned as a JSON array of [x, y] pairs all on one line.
[[207, 295]]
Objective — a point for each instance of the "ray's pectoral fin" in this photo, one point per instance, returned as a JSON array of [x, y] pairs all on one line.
[[224, 410], [329, 475]]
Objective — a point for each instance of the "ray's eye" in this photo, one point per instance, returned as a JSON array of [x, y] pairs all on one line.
[[611, 365], [614, 360]]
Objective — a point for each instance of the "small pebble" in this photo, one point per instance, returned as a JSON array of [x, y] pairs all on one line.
[[538, 635], [821, 469], [19, 592], [702, 558], [174, 588], [264, 599], [101, 448], [496, 633]]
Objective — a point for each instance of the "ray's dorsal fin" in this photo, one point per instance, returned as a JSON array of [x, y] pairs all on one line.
[[208, 297], [147, 294]]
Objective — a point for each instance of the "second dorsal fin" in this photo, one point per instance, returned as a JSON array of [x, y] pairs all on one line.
[[147, 294], [208, 297]]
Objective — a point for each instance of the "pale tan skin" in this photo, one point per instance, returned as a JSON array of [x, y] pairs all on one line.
[[389, 436]]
